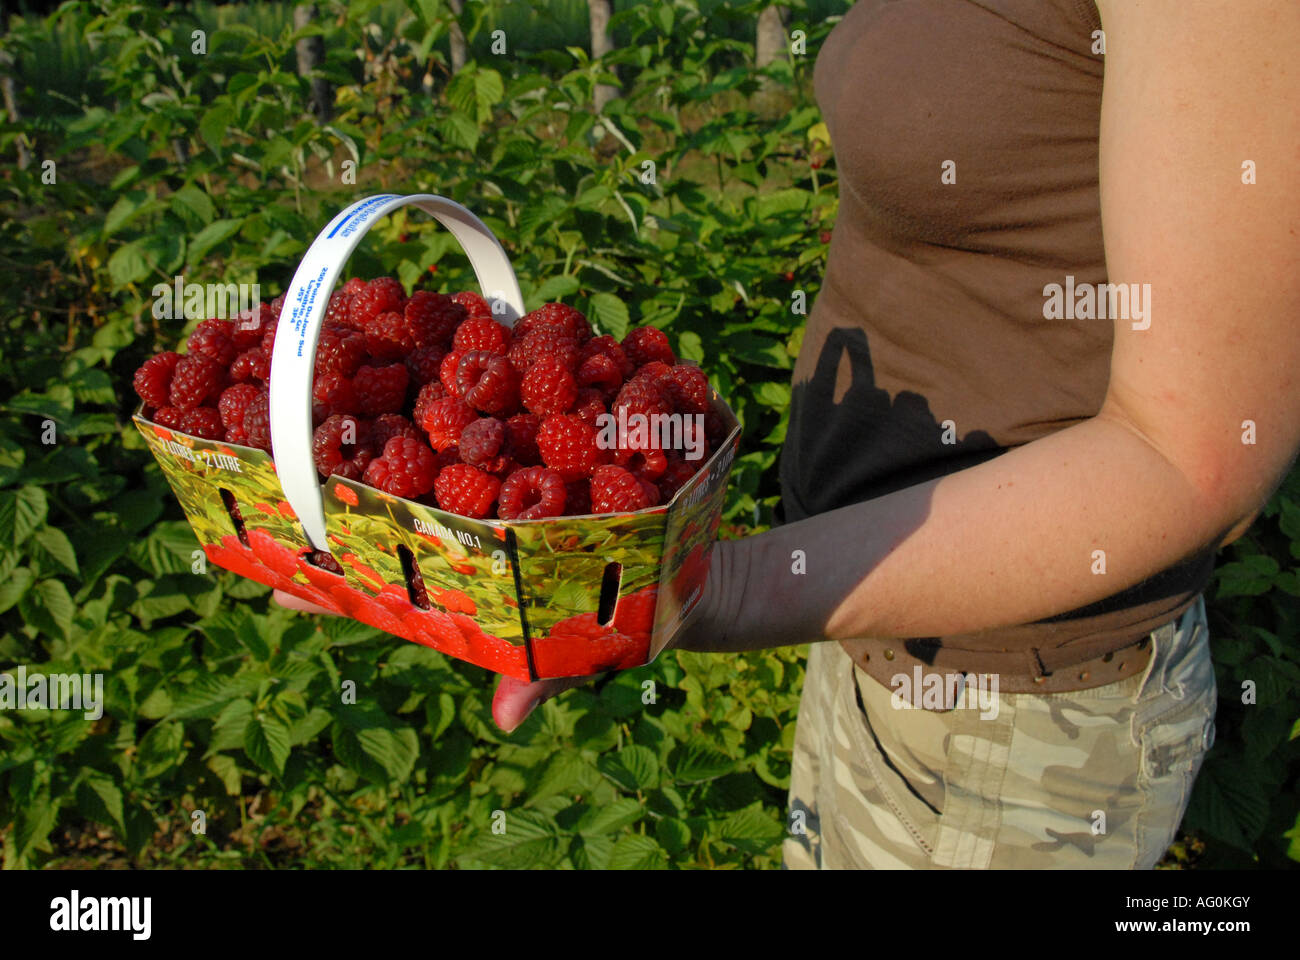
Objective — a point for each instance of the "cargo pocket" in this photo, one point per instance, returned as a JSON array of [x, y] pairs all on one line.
[[916, 819], [1174, 729]]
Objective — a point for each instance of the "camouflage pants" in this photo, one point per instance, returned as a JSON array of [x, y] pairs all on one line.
[[1096, 778]]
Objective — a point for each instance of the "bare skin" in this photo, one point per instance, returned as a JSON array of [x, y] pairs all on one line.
[[1192, 91]]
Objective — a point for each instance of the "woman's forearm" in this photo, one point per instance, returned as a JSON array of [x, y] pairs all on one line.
[[1013, 540]]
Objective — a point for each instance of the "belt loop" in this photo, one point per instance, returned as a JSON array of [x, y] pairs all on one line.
[[1161, 640]]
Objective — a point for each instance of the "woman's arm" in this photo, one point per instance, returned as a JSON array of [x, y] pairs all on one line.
[[1193, 91]]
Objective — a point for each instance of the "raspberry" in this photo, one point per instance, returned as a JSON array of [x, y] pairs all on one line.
[[387, 336], [653, 372], [431, 391], [475, 306], [215, 339], [645, 344], [325, 561], [481, 333], [445, 458], [332, 394], [577, 498], [341, 445], [340, 350], [197, 378], [558, 315], [406, 468], [424, 364], [543, 342], [643, 397], [521, 439], [203, 422], [646, 465], [589, 407], [378, 296], [444, 420], [380, 389], [257, 422], [234, 402], [268, 339], [608, 346], [569, 446], [336, 311], [675, 475], [447, 372], [487, 381], [614, 490], [383, 428], [579, 645], [252, 364], [481, 441], [277, 305], [466, 490], [601, 371], [530, 494], [432, 318], [153, 379], [251, 326], [687, 388], [634, 615], [168, 417], [548, 387]]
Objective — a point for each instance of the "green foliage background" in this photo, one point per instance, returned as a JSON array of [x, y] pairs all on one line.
[[168, 162]]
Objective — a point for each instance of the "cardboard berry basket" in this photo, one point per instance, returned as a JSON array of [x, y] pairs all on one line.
[[556, 597]]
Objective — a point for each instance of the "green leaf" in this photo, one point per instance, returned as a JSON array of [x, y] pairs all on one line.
[[128, 265], [33, 824], [751, 830], [189, 199], [160, 750], [636, 852], [610, 817], [609, 314], [56, 543], [53, 597], [228, 772], [99, 798], [529, 840], [216, 232], [633, 768], [673, 835], [206, 696], [555, 288], [266, 741], [394, 750], [22, 511], [212, 127], [228, 729], [1229, 802], [15, 587], [307, 727], [697, 761]]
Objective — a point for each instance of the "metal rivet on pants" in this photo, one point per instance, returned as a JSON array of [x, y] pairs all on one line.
[[889, 654], [1084, 675]]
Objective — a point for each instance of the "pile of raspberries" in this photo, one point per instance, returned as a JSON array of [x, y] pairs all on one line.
[[431, 399]]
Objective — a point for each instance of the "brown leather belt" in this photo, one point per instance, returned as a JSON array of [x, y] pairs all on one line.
[[885, 659]]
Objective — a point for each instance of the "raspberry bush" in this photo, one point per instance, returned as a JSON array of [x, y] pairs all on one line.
[[686, 205]]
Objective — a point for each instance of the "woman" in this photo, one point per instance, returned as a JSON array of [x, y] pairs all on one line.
[[994, 491]]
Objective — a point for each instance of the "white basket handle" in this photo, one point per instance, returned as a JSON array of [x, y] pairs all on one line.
[[305, 304]]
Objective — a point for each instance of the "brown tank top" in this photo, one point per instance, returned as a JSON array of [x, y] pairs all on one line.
[[930, 324]]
